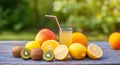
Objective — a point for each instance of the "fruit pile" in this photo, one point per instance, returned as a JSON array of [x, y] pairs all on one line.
[[47, 48]]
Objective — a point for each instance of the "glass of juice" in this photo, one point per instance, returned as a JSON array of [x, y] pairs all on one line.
[[66, 36]]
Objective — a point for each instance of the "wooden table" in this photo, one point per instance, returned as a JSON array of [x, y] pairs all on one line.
[[110, 56]]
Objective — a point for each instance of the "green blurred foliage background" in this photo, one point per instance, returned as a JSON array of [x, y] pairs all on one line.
[[87, 16]]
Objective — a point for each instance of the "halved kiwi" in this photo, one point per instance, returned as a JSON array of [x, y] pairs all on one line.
[[25, 53], [48, 55]]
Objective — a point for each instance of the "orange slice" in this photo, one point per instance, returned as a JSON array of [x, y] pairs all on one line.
[[61, 52], [94, 51], [49, 45]]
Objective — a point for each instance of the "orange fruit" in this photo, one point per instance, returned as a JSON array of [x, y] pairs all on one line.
[[114, 40], [94, 51], [77, 51], [79, 38], [49, 45], [61, 52]]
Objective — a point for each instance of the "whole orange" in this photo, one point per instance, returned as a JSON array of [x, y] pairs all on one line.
[[78, 37], [114, 40]]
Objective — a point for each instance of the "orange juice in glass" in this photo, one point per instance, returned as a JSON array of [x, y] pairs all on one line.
[[66, 36]]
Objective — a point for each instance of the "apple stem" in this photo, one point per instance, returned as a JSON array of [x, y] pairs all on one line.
[[51, 16]]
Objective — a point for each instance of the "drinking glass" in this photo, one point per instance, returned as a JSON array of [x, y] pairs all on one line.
[[66, 36]]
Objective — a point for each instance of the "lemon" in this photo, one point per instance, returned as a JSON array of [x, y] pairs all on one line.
[[77, 51], [49, 45], [61, 52], [94, 51], [32, 44]]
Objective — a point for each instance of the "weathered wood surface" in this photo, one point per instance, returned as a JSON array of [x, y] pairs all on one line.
[[110, 56]]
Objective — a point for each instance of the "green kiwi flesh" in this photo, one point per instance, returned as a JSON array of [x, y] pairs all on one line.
[[25, 53], [48, 55]]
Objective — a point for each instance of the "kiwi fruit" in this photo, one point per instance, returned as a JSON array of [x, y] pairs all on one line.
[[16, 51], [48, 55], [25, 53], [36, 54]]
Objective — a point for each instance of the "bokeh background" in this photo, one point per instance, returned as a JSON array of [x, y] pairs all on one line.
[[22, 19]]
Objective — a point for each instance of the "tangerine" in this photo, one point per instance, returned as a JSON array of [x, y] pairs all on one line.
[[79, 38], [114, 40]]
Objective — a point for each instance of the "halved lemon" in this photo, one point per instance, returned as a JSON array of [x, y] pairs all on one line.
[[61, 52], [94, 51]]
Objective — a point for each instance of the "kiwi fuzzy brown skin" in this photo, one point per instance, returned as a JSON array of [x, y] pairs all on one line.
[[17, 50], [36, 54], [25, 53]]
